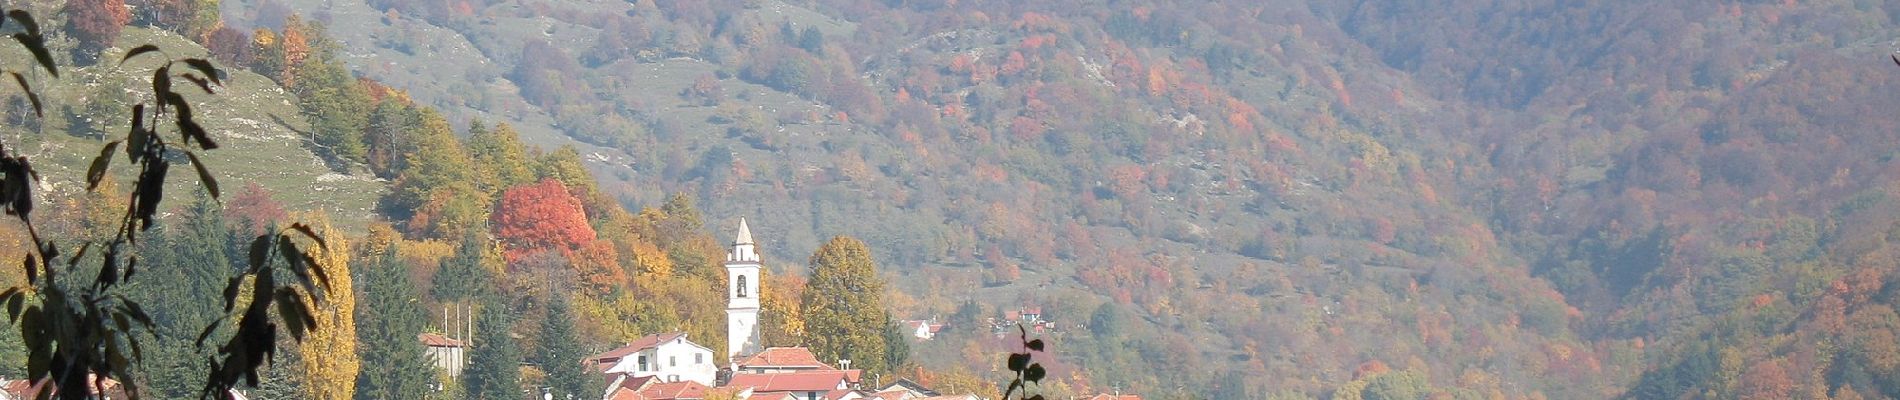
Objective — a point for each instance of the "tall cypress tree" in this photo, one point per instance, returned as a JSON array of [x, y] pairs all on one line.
[[561, 354], [494, 370], [843, 306], [394, 365]]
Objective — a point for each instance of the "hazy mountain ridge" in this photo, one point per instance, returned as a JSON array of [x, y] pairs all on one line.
[[1379, 176]]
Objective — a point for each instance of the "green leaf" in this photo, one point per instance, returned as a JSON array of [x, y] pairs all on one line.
[[162, 84], [204, 66], [293, 313], [136, 140], [1035, 345], [260, 252], [37, 45], [28, 88], [137, 51], [138, 313], [14, 300], [26, 21], [312, 234], [97, 172], [1018, 361], [213, 327], [1035, 373], [231, 292], [204, 175], [201, 83]]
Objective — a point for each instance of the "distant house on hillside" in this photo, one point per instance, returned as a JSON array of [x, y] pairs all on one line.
[[922, 329], [448, 353], [1030, 318], [1117, 396], [667, 356]]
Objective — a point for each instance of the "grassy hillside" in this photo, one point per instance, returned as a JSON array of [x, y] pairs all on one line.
[[257, 123]]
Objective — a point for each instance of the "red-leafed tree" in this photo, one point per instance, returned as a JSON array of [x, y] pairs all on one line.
[[95, 23], [254, 210], [540, 217]]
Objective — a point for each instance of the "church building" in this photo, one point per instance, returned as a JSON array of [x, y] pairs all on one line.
[[742, 301]]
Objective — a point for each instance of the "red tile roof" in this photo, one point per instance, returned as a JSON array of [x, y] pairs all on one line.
[[784, 357], [803, 381], [675, 390], [643, 343], [646, 388], [890, 395], [436, 340]]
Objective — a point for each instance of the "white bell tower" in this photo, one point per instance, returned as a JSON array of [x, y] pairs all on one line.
[[742, 296]]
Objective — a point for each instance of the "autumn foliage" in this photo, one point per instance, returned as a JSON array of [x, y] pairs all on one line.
[[540, 217]]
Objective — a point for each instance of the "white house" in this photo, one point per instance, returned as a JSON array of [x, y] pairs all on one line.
[[668, 357], [447, 352]]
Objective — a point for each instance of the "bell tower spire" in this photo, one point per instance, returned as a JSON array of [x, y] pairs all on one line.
[[742, 295]]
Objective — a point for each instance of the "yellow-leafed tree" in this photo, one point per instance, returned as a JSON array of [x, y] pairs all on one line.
[[329, 357]]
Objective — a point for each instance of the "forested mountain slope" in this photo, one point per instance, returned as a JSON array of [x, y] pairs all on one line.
[[1573, 199]]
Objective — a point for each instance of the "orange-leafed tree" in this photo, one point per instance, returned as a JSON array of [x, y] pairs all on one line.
[[95, 24], [540, 217], [598, 267]]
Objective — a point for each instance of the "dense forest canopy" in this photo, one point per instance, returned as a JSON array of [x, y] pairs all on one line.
[[1319, 199]]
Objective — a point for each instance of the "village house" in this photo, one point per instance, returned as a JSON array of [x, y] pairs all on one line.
[[668, 366], [668, 356], [448, 353], [922, 329], [649, 388], [780, 360]]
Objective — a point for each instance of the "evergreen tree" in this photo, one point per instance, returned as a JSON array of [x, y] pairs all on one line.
[[394, 365], [281, 380], [843, 306], [896, 345], [184, 264], [494, 370], [464, 275], [561, 354]]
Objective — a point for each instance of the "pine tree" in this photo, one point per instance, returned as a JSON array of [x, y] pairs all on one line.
[[394, 365], [494, 366], [896, 345], [464, 275], [561, 354], [191, 253], [843, 306], [281, 380]]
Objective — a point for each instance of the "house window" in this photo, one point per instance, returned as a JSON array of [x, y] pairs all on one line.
[[742, 293], [699, 358], [643, 363], [672, 361]]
